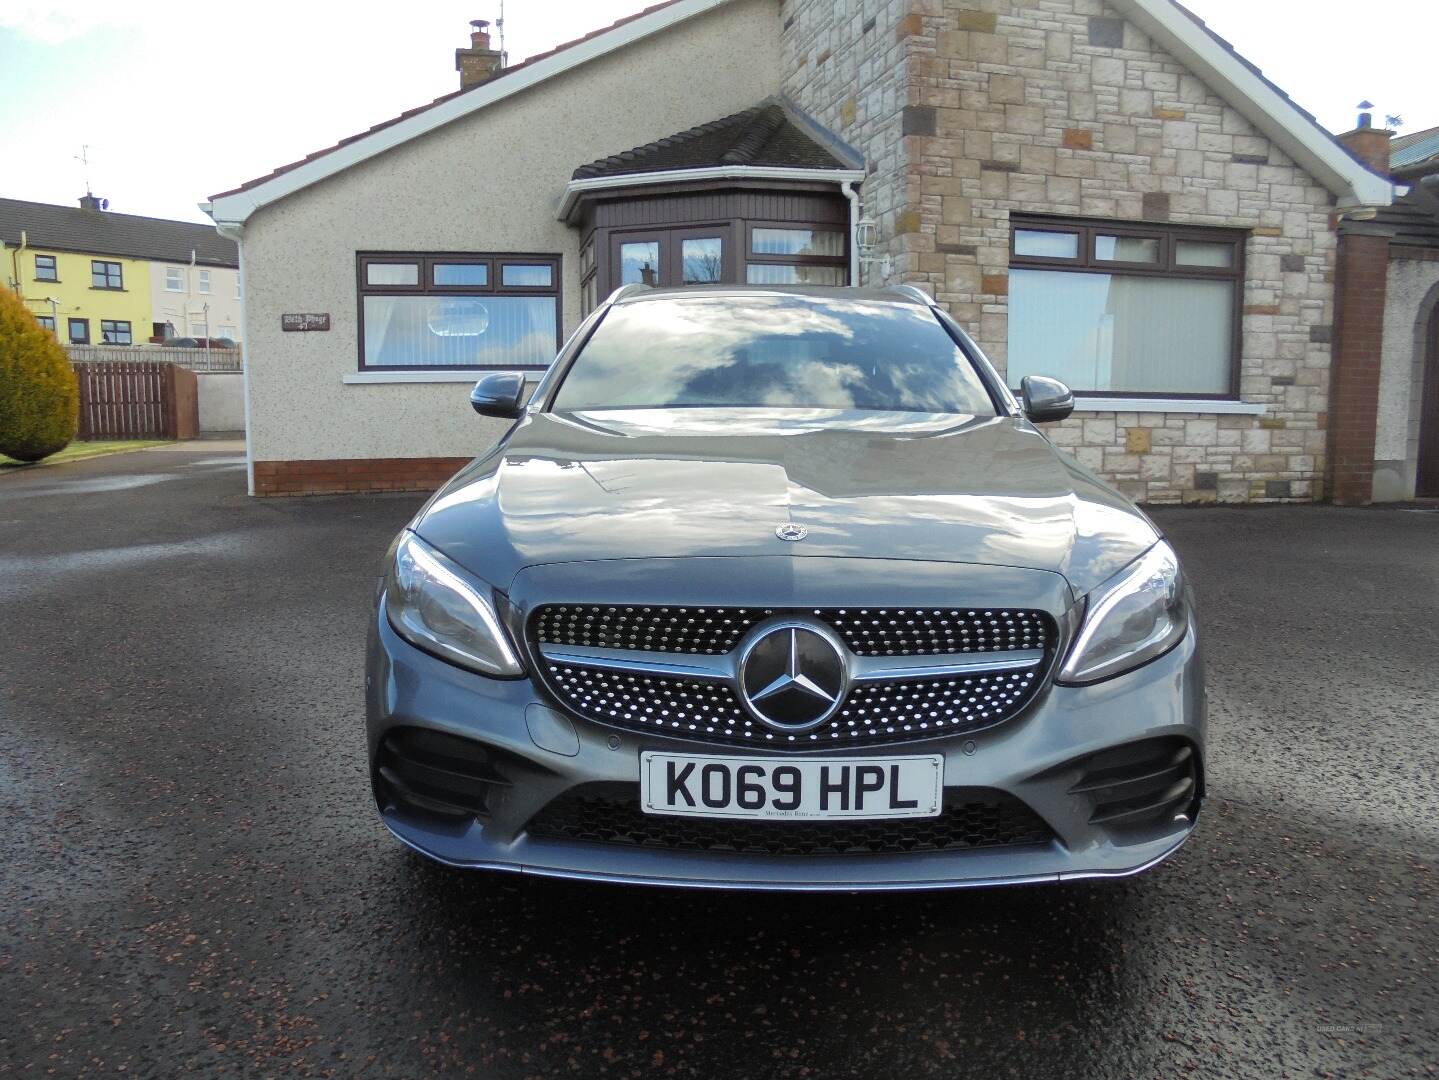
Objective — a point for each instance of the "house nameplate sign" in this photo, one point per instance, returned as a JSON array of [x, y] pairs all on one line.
[[306, 321]]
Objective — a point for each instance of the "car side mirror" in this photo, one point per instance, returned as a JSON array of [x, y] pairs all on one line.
[[500, 394], [1045, 399]]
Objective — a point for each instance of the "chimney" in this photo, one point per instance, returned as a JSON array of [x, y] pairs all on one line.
[[93, 202], [479, 63], [1368, 143]]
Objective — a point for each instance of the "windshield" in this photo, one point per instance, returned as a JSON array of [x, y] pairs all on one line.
[[772, 351]]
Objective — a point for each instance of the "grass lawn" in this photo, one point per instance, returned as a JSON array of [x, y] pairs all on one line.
[[78, 450]]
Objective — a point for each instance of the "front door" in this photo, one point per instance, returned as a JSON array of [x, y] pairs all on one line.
[[1427, 481], [694, 255]]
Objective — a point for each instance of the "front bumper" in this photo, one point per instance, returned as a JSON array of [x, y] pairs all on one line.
[[1045, 758]]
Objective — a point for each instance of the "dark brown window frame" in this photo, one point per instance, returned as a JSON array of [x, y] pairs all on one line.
[[723, 232], [47, 321], [589, 274], [702, 206], [493, 260], [54, 268], [113, 325], [107, 264], [70, 331], [1167, 234], [753, 258], [671, 238]]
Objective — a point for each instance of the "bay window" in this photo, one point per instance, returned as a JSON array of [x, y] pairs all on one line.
[[464, 310], [790, 255], [1126, 310]]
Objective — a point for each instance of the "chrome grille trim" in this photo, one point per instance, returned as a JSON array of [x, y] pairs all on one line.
[[722, 666], [695, 666], [938, 665]]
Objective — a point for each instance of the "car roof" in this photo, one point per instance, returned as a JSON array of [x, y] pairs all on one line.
[[895, 294]]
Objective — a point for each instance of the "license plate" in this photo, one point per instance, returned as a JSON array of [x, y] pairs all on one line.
[[748, 787]]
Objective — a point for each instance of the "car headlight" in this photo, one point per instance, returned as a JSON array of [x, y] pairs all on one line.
[[433, 605], [1136, 616]]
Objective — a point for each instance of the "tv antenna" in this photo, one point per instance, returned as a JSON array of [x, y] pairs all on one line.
[[83, 157], [500, 29]]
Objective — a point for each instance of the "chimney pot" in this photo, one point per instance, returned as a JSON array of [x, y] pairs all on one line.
[[479, 63]]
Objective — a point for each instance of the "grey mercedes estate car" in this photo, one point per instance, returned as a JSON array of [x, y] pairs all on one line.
[[782, 588]]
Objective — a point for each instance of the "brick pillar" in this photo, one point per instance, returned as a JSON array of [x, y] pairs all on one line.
[[1360, 277]]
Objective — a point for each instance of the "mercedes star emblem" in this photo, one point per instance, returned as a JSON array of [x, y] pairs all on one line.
[[792, 675], [790, 531]]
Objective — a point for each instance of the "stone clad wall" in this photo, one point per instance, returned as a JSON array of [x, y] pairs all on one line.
[[1061, 107], [842, 62]]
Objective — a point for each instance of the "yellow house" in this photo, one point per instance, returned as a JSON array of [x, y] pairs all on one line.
[[87, 273]]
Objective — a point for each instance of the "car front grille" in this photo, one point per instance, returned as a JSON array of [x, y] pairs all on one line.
[[644, 697], [867, 631], [608, 813], [873, 713]]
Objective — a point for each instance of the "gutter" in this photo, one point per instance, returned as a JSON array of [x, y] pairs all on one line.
[[15, 265], [851, 192], [576, 188], [235, 230]]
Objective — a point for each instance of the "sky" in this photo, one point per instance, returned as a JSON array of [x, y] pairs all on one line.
[[174, 100]]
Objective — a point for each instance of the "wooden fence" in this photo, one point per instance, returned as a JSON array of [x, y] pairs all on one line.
[[137, 400]]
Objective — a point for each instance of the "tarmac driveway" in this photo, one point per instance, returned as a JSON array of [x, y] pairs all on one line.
[[193, 876]]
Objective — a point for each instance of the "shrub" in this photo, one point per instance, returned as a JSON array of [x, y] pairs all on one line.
[[39, 394]]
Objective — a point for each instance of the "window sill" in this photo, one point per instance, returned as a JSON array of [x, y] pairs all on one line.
[[1214, 406], [367, 378]]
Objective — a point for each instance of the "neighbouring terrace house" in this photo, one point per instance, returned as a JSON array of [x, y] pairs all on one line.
[[1103, 192]]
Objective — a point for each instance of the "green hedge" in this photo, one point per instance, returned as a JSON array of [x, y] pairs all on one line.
[[39, 395]]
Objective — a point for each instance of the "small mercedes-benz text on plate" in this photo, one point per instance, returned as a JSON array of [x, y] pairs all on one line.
[[783, 588]]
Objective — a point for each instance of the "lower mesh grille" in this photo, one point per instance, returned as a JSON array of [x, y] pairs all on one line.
[[610, 814]]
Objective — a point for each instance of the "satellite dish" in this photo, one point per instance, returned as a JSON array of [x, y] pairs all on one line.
[[104, 204]]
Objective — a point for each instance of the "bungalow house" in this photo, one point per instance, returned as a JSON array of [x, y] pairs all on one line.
[[1100, 191]]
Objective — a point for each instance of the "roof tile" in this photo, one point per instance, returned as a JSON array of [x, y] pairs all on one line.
[[763, 135], [101, 232]]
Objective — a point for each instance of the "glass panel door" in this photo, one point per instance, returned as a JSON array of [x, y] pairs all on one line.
[[640, 262], [668, 258], [701, 260]]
